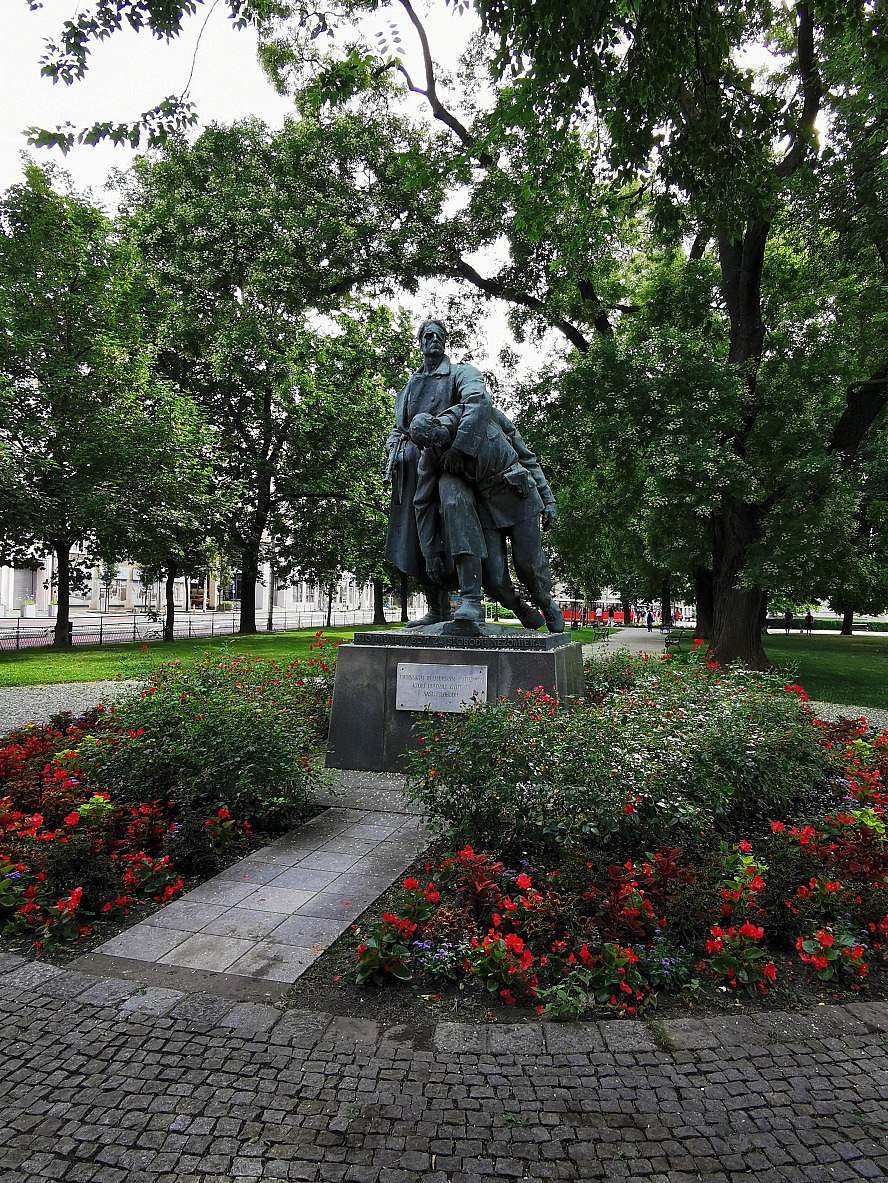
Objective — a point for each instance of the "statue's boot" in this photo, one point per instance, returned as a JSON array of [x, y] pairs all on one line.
[[439, 606], [468, 568], [528, 617], [554, 617]]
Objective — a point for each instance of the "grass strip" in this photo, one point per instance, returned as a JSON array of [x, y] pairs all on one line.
[[101, 663]]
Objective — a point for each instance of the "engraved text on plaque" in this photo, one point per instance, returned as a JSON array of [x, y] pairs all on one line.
[[439, 687]]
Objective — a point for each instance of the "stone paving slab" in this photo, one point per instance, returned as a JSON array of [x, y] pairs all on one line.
[[108, 1082], [271, 915]]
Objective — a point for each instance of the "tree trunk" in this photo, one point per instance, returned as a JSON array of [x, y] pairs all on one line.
[[249, 577], [666, 605], [736, 634], [378, 601], [627, 608], [272, 584], [252, 548], [169, 620], [329, 605], [405, 615], [847, 620], [705, 603], [61, 638]]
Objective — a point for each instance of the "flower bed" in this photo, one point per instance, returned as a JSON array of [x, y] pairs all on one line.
[[113, 811], [682, 825]]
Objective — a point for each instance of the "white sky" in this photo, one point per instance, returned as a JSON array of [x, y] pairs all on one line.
[[128, 74]]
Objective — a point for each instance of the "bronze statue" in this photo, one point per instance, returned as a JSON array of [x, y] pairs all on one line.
[[462, 484]]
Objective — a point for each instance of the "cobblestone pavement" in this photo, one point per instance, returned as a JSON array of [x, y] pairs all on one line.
[[108, 1082]]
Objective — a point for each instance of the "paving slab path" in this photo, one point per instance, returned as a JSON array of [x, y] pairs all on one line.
[[271, 915]]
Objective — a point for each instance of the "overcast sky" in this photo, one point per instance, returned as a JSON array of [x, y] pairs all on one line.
[[128, 74]]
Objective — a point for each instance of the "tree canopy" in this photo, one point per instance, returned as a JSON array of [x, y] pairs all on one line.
[[693, 195]]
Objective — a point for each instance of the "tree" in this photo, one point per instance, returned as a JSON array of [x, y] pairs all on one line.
[[331, 509], [257, 243], [66, 59], [699, 118], [716, 147], [76, 370], [177, 524]]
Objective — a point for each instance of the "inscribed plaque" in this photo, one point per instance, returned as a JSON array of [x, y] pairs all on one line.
[[439, 687]]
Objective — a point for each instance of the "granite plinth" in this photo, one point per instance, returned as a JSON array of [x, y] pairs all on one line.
[[369, 733]]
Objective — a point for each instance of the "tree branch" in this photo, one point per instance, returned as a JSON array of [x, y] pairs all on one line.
[[865, 401], [430, 93], [812, 91], [600, 320], [463, 270], [700, 243]]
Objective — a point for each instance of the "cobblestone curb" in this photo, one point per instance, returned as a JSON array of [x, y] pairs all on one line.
[[109, 1082]]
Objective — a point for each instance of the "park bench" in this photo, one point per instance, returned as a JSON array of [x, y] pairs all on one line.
[[672, 640], [600, 632]]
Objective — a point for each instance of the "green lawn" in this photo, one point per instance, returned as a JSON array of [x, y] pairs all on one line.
[[849, 670], [101, 663]]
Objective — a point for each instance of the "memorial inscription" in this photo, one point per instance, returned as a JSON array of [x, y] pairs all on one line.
[[439, 687]]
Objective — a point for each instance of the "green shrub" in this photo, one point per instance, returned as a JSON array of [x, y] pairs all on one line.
[[226, 731], [663, 750]]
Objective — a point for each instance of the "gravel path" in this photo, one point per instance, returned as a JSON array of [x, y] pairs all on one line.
[[20, 705], [833, 710]]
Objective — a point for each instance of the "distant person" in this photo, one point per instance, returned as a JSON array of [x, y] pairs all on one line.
[[598, 614], [809, 622], [787, 621], [650, 620], [610, 616]]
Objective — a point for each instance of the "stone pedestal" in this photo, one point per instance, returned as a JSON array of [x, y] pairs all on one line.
[[368, 731]]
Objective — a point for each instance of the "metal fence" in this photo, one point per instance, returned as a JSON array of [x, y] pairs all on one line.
[[111, 630]]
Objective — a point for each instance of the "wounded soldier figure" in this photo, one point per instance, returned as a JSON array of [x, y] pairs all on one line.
[[512, 499]]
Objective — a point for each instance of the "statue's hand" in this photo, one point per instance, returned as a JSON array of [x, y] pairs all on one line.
[[435, 568], [550, 517], [455, 461]]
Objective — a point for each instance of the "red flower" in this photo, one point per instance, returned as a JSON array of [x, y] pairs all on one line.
[[523, 881], [411, 884], [72, 819], [825, 939], [751, 931]]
